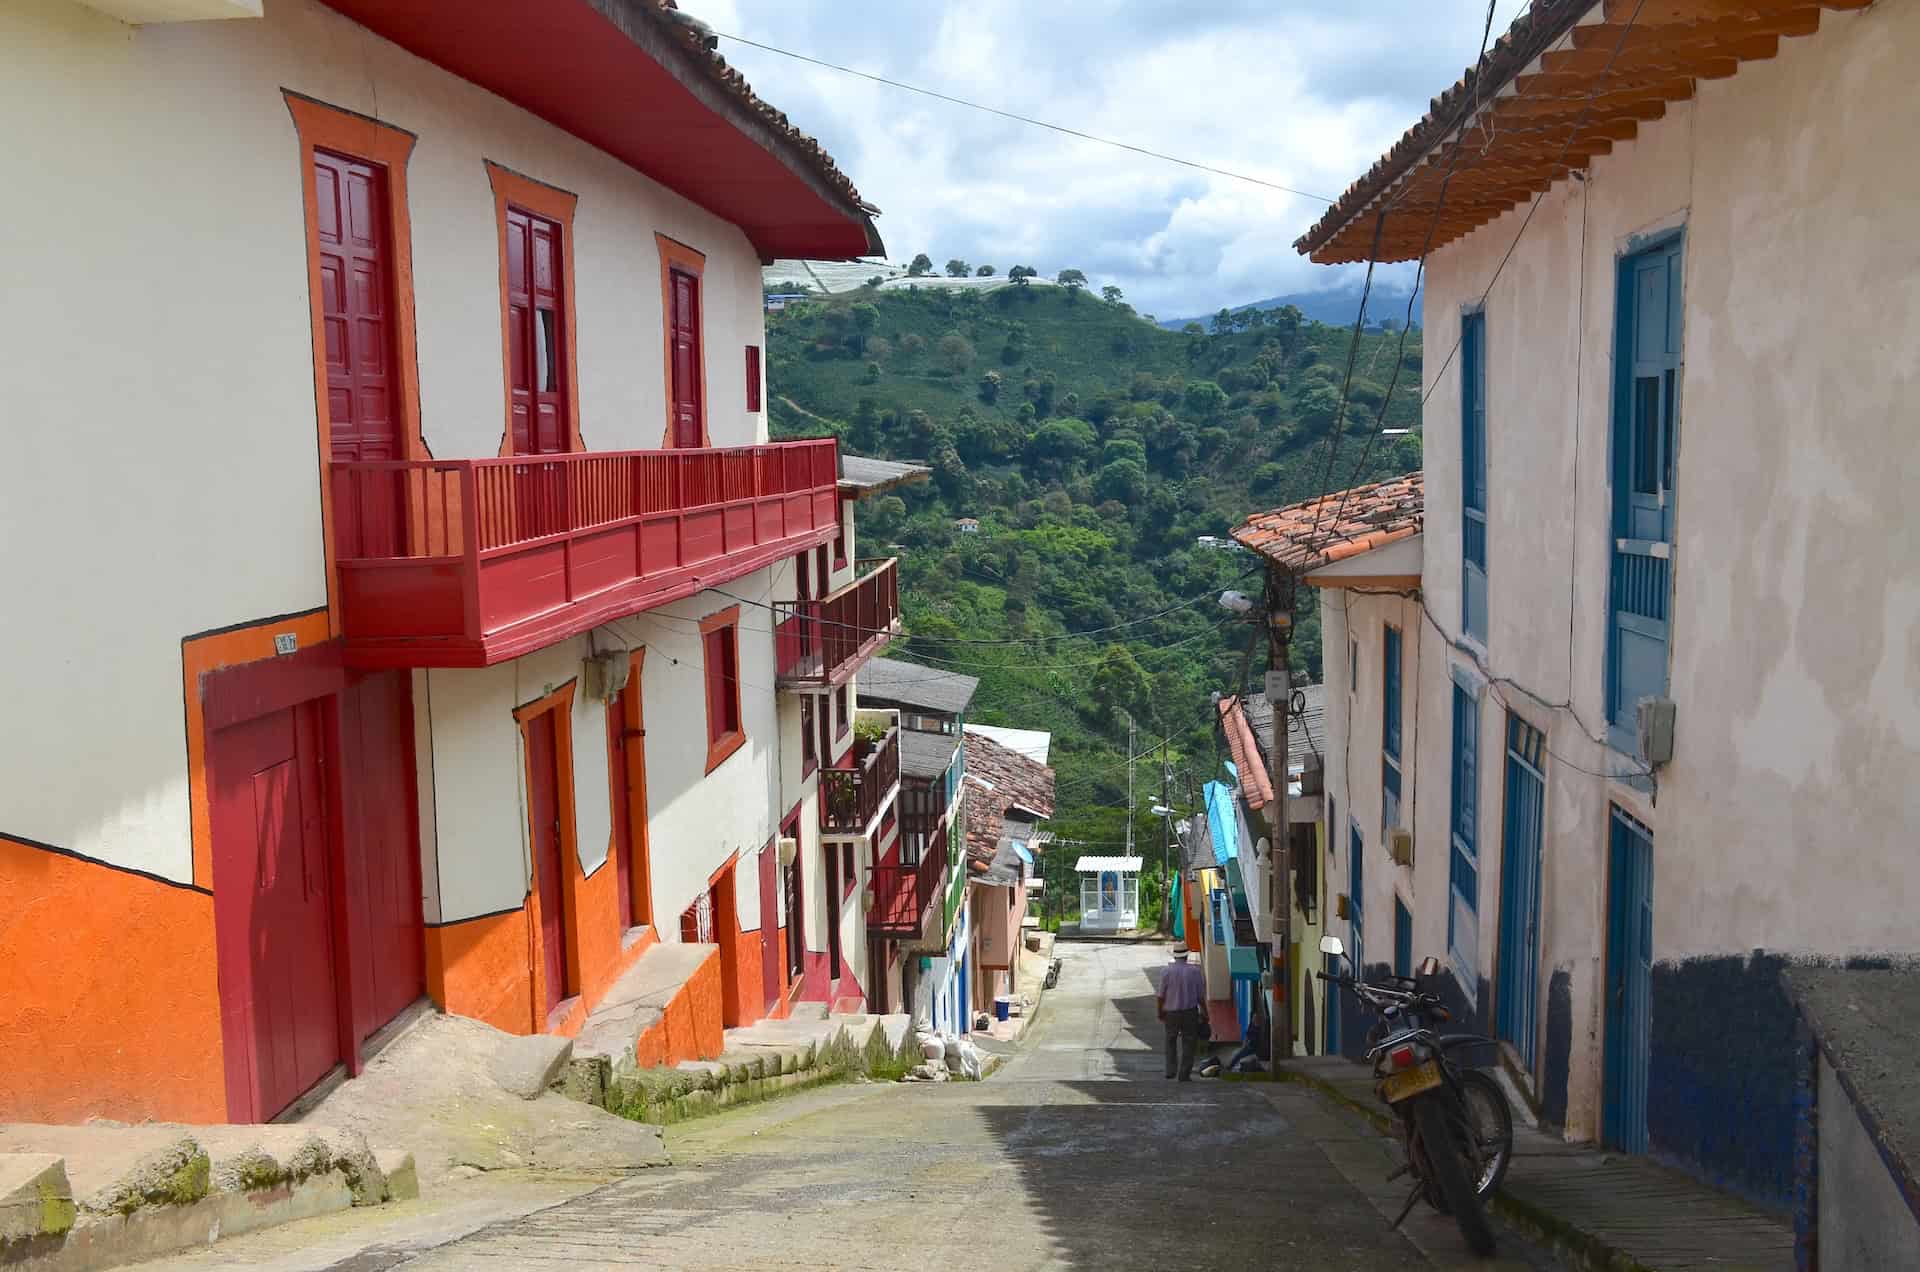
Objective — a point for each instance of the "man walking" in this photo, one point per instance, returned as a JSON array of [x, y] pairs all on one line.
[[1182, 997]]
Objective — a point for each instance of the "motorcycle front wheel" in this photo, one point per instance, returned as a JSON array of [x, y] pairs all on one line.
[[1448, 1172]]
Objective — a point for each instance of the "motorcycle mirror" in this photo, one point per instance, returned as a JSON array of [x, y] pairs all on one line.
[[1429, 966], [1331, 945]]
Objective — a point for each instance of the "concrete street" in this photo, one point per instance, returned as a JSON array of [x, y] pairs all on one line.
[[1077, 1154]]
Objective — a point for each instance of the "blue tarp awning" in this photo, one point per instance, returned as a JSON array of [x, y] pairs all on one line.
[[1223, 821]]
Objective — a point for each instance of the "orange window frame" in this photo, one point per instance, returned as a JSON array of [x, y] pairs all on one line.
[[319, 126], [675, 255], [556, 205], [722, 741]]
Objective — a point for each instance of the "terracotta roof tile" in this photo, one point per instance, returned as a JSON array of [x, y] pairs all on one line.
[[1256, 784], [1316, 532], [997, 779], [1551, 93], [810, 151]]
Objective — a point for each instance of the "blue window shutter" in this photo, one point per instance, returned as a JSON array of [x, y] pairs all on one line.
[[1463, 901], [1473, 474], [1355, 851], [1646, 424], [1402, 938], [1390, 696]]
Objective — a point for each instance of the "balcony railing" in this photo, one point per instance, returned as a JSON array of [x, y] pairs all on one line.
[[851, 798], [823, 641], [467, 562], [903, 895]]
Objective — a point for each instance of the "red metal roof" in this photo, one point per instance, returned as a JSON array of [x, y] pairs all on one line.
[[629, 77], [1549, 95], [1317, 532]]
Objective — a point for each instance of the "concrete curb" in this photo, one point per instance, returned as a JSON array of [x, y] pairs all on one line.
[[1583, 1250]]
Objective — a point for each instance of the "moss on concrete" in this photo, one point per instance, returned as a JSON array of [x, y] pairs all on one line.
[[177, 1175]]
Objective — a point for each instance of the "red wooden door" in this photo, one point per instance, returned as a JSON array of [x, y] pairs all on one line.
[[770, 923], [543, 813], [536, 335], [622, 824], [356, 291], [273, 910], [684, 320], [388, 946]]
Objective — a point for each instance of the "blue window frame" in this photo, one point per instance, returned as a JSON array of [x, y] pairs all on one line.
[[1356, 850], [1473, 474], [1646, 426], [1402, 938], [1463, 909]]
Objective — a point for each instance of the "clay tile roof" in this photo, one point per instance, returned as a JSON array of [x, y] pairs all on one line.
[[1551, 93], [1317, 532], [999, 778], [1256, 784], [810, 152]]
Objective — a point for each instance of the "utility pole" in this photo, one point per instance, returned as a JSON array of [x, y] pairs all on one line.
[[1166, 839], [1129, 783], [1280, 698]]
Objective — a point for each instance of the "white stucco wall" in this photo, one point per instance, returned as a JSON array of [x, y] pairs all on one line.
[[1355, 717], [157, 343], [1782, 820]]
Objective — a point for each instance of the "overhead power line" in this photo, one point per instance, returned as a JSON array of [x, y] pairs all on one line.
[[1024, 119]]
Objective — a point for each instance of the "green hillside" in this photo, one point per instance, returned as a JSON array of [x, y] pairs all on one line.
[[1095, 449]]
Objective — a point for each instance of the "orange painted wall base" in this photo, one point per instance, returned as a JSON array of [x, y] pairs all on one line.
[[691, 1028], [112, 1004]]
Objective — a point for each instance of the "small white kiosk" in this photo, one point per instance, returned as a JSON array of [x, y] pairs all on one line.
[[1109, 893]]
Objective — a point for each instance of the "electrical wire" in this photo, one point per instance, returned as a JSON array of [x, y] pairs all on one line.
[[1559, 161], [1022, 119]]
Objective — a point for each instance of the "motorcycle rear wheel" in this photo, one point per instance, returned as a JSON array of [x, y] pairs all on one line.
[[1443, 1159], [1492, 1121]]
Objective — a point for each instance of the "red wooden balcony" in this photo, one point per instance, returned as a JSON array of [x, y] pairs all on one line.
[[904, 895], [468, 562], [823, 642], [851, 798]]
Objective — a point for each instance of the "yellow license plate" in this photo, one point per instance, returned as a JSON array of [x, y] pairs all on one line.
[[1411, 1082]]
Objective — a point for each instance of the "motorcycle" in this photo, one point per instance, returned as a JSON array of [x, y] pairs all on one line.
[[1452, 1121]]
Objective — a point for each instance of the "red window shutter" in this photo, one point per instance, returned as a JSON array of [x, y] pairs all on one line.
[[684, 323], [753, 377], [730, 677], [716, 686]]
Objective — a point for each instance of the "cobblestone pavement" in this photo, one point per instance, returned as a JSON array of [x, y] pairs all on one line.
[[1077, 1154]]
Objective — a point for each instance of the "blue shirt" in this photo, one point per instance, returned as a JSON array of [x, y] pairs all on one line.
[[1182, 986]]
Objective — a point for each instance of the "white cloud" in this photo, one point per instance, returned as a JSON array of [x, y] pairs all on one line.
[[1294, 92]]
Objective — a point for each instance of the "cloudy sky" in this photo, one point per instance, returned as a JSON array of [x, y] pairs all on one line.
[[1304, 93]]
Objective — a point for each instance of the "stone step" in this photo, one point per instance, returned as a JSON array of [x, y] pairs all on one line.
[[640, 998], [103, 1194]]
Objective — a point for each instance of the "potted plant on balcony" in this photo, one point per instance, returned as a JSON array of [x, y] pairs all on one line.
[[867, 737]]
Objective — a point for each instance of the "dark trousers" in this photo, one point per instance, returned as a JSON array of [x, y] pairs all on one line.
[[1183, 1032]]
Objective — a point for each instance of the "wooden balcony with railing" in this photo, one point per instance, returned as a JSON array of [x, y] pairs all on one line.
[[469, 562], [823, 642], [851, 798], [904, 893]]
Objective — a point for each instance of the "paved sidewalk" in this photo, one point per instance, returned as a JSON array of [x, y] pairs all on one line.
[[1604, 1209]]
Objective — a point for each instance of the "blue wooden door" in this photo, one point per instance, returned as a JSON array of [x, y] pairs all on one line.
[[1646, 424], [1629, 983], [1355, 880], [1517, 993]]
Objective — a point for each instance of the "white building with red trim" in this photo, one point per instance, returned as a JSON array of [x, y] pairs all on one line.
[[407, 600]]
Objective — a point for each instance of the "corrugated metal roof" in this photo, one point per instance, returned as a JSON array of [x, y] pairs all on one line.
[[1094, 865], [926, 755], [1334, 527], [867, 477], [1306, 728], [910, 684]]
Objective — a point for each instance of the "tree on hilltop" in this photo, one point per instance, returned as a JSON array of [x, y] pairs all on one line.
[[922, 264]]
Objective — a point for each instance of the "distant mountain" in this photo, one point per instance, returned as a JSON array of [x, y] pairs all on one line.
[[1336, 306]]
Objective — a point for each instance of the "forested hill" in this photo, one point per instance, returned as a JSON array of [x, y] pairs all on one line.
[[1095, 450]]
